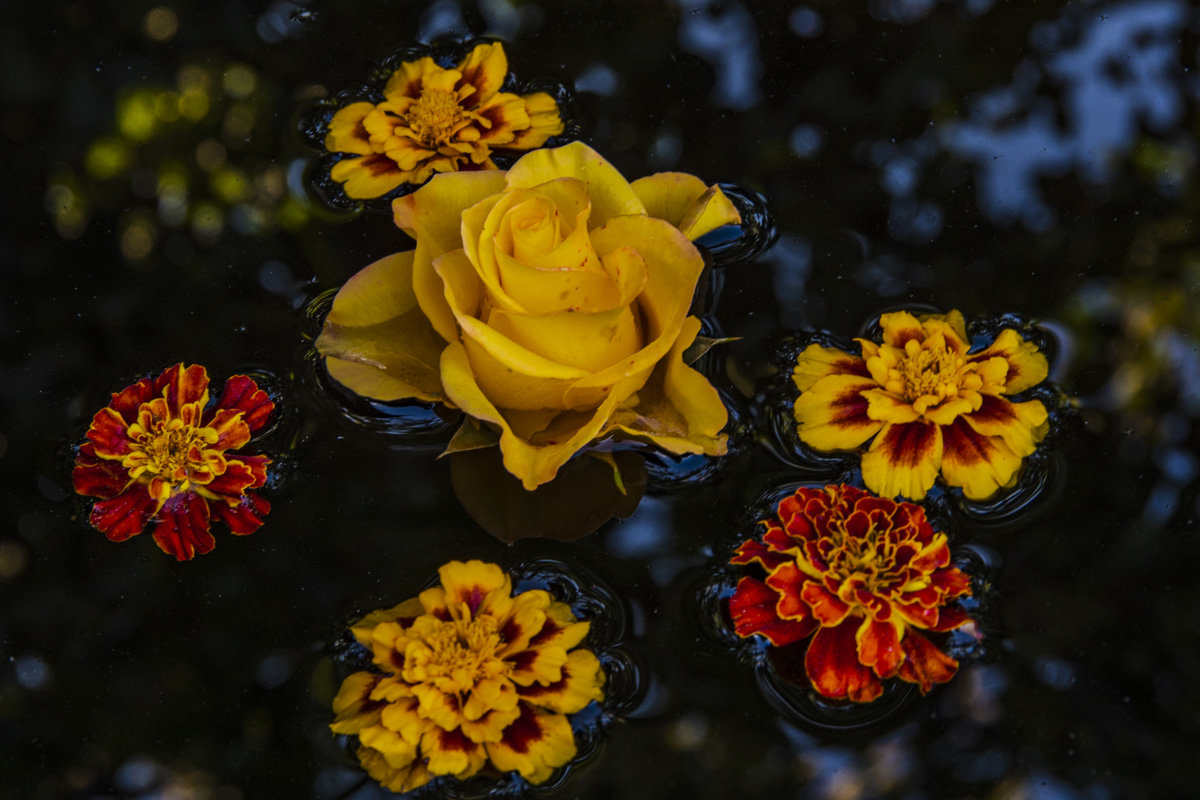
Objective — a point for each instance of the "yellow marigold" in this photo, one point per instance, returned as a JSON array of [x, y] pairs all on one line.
[[927, 404], [468, 675], [435, 119]]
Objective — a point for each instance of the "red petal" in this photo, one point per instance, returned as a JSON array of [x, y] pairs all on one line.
[[879, 647], [240, 393], [789, 581], [124, 515], [127, 401], [832, 665], [238, 478], [752, 609], [523, 731], [925, 665], [182, 529], [246, 517], [95, 478], [752, 551], [109, 433], [183, 385], [827, 607]]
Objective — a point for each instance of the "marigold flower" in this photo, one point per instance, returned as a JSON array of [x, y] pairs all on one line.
[[863, 575], [161, 455], [468, 675], [435, 119], [549, 302], [927, 404]]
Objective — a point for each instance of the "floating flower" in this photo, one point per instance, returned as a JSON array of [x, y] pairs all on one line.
[[161, 455], [927, 404], [862, 575], [434, 119], [468, 676], [549, 302]]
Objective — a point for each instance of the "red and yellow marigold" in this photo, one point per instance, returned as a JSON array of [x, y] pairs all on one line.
[[161, 455], [866, 577], [926, 404], [437, 119], [468, 676]]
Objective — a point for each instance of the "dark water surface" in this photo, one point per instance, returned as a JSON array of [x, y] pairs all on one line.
[[1030, 156]]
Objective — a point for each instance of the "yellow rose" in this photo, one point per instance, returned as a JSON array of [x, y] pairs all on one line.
[[549, 302]]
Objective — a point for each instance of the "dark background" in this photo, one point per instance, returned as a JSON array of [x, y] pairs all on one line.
[[1025, 156]]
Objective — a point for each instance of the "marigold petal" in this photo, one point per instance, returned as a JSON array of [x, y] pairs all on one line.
[[238, 477], [752, 609], [610, 193], [505, 114], [925, 665], [833, 667], [182, 527], [753, 551], [815, 362], [899, 327], [903, 461], [125, 515], [346, 131], [545, 120], [884, 406], [560, 628], [396, 750], [409, 78], [127, 401], [246, 516], [93, 477], [485, 69], [1020, 425], [789, 582], [981, 465], [182, 386], [475, 584], [879, 647], [452, 753], [232, 431], [370, 176], [353, 708], [535, 745], [1027, 366], [241, 393], [581, 683], [827, 608], [109, 435], [526, 618], [832, 414], [406, 779]]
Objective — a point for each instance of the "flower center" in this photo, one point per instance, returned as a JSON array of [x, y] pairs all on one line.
[[930, 372], [168, 448], [435, 117], [865, 563], [464, 652]]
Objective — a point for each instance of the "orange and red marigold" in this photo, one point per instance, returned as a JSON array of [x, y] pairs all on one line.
[[160, 455], [468, 677], [866, 577]]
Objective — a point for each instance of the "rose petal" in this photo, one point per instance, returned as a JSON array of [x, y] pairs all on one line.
[[610, 193], [376, 340]]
